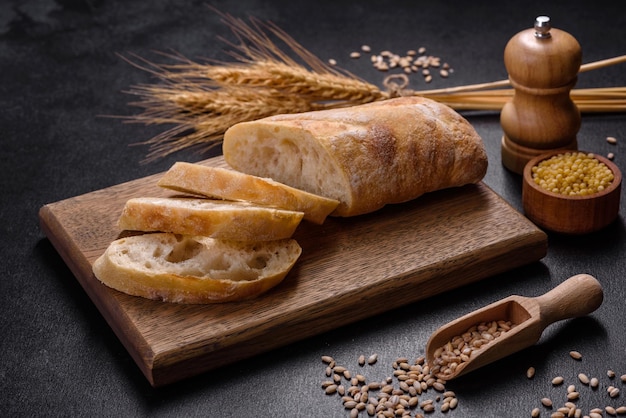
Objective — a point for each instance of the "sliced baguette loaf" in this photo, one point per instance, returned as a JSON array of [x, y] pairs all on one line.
[[194, 270], [236, 221], [221, 183], [365, 156]]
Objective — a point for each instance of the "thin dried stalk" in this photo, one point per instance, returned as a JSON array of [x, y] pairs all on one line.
[[506, 83], [592, 100]]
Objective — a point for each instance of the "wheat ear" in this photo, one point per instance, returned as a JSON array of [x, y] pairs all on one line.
[[202, 100]]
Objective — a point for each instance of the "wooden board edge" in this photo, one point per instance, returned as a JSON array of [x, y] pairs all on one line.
[[109, 309], [529, 248]]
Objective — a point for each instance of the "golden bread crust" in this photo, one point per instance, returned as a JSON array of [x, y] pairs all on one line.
[[365, 156], [221, 183], [237, 221]]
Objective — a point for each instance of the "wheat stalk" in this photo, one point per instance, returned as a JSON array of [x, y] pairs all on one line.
[[202, 100], [204, 110], [203, 122], [591, 100], [287, 78]]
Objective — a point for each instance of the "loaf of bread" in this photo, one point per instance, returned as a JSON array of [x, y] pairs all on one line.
[[364, 156], [194, 270], [221, 183], [237, 221]]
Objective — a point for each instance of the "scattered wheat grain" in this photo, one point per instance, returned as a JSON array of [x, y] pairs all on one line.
[[350, 404], [339, 369], [330, 389]]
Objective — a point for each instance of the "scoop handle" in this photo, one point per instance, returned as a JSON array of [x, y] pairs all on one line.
[[577, 296]]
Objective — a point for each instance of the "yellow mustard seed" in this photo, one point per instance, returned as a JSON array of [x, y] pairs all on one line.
[[572, 173]]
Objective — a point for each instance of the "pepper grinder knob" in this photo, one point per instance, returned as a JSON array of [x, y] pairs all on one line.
[[543, 64], [542, 27]]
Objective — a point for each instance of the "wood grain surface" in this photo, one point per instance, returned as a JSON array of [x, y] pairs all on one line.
[[577, 296], [350, 269]]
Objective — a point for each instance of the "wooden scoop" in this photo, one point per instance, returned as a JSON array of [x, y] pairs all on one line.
[[577, 296]]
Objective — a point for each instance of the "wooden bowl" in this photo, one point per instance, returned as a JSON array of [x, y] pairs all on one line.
[[570, 214]]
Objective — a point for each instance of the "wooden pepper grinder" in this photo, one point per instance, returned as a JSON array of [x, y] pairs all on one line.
[[543, 64]]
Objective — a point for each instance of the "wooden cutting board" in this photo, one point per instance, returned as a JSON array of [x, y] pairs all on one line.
[[350, 269]]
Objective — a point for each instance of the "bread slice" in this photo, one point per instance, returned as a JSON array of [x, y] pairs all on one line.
[[221, 183], [194, 270], [237, 221], [365, 156]]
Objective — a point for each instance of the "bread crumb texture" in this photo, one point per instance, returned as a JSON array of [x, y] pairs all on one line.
[[188, 269]]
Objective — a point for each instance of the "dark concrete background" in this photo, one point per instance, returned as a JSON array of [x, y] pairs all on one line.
[[61, 75]]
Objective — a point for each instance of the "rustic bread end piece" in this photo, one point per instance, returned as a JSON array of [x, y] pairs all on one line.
[[221, 183], [366, 156], [194, 270], [237, 221]]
